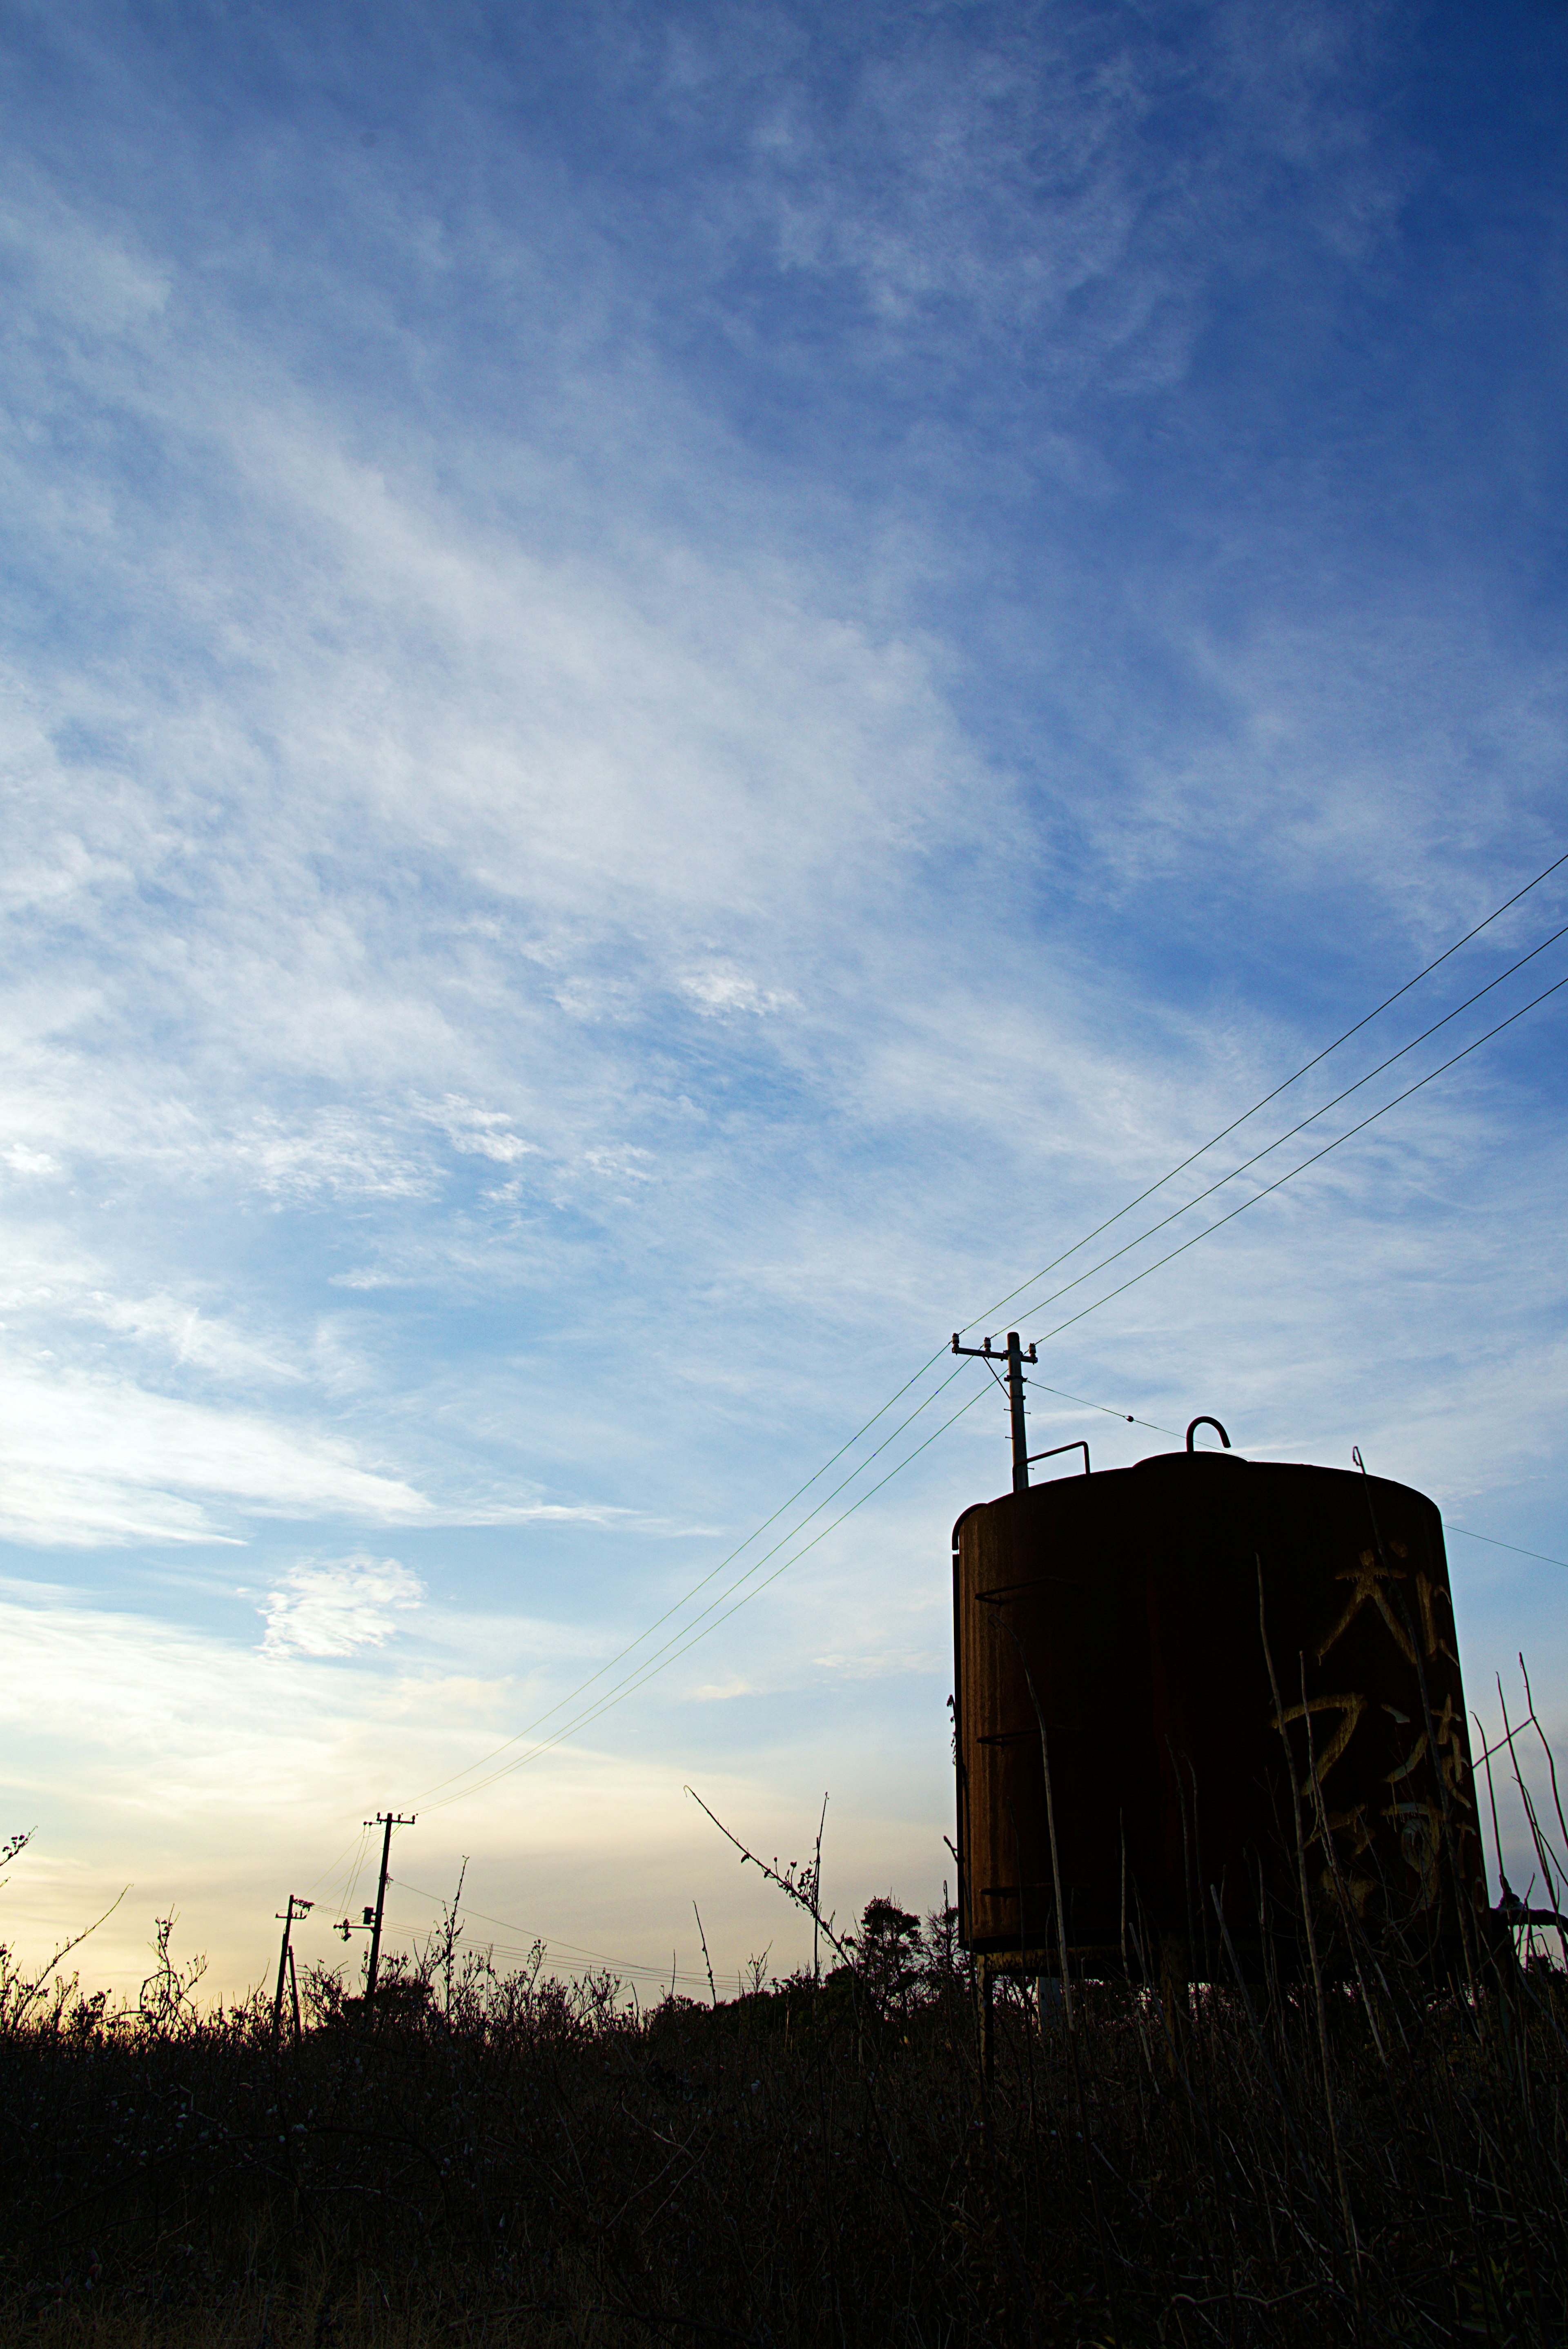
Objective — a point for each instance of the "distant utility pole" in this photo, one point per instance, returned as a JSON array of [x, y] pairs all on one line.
[[1014, 1359], [389, 1820], [289, 1916]]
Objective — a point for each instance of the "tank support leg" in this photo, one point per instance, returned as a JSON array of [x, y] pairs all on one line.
[[982, 1988]]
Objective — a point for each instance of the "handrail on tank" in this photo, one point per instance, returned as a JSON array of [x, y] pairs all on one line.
[[1203, 1420], [1079, 1447]]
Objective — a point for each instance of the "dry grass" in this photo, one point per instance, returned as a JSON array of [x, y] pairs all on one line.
[[511, 2161]]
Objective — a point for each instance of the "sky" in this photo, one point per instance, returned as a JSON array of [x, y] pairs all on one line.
[[679, 688]]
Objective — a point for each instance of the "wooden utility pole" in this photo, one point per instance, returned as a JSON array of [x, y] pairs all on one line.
[[296, 1908], [387, 1819], [1014, 1359]]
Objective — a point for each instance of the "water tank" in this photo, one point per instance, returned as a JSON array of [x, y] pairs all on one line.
[[1146, 1606]]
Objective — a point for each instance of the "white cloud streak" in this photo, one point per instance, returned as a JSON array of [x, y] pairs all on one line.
[[332, 1607], [90, 1460]]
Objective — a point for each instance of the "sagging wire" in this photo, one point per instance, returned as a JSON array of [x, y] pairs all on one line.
[[1284, 1086], [680, 1642], [1491, 1540], [685, 1601], [1220, 1221], [1039, 1304], [550, 1940], [357, 1846], [692, 1632], [658, 1662], [657, 1665]]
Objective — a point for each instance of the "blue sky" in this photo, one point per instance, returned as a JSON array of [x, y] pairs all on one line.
[[680, 688]]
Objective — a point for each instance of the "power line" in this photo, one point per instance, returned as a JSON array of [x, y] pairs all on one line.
[[1493, 1542], [679, 1645], [1350, 1132], [678, 1605], [626, 1967], [358, 1848], [1284, 1086], [675, 1606], [510, 1925], [1451, 1524], [637, 1975], [681, 1641], [784, 1540], [696, 1629], [659, 1662], [1300, 1127], [657, 1665]]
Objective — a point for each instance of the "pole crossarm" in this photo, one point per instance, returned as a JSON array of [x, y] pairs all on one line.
[[989, 1353], [1014, 1357]]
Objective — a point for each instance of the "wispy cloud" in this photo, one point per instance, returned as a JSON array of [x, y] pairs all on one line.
[[332, 1607], [94, 1460], [718, 991]]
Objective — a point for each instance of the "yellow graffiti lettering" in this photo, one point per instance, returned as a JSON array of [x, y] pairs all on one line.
[[1450, 1749], [1428, 1594], [1350, 1710], [1347, 1823], [1367, 1581], [1450, 1752]]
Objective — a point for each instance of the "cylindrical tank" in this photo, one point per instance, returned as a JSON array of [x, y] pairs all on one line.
[[1183, 1623]]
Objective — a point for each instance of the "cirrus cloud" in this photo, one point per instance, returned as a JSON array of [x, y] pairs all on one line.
[[334, 1606]]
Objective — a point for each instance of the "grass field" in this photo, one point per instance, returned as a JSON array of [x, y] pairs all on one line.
[[497, 2159]]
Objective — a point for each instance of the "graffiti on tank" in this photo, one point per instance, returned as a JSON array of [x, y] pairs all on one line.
[[1417, 1819]]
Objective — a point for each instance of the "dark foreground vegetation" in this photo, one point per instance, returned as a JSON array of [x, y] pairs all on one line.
[[506, 2160]]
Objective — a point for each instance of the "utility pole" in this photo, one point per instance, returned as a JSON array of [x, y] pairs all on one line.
[[296, 1908], [1014, 1359], [389, 1820]]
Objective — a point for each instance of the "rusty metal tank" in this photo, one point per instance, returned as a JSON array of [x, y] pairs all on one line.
[[1169, 1621]]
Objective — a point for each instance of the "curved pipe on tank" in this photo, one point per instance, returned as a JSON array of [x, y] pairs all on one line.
[[1077, 1446], [1204, 1420]]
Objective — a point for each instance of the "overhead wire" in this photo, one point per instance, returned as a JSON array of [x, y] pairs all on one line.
[[636, 1976], [551, 1940], [658, 1663], [693, 1629], [1219, 1223], [357, 1846], [688, 1634], [1307, 1066], [1125, 1416], [675, 1606], [1247, 1164], [356, 1869], [1128, 1418], [672, 1651], [1491, 1540]]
